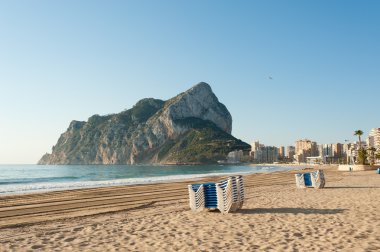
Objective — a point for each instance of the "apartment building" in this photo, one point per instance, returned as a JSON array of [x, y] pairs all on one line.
[[373, 139], [290, 152], [305, 148], [281, 152], [266, 154]]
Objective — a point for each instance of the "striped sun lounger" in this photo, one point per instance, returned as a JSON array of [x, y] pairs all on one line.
[[196, 195], [311, 179], [226, 195]]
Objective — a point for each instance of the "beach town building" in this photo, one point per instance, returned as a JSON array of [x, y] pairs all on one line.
[[314, 160], [290, 151], [235, 156], [373, 139], [334, 153], [353, 151], [266, 154], [345, 148], [281, 152], [326, 150], [305, 148], [255, 145], [346, 152], [337, 150], [263, 154]]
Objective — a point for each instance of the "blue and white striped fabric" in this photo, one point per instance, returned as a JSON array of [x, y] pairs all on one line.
[[226, 195], [311, 179]]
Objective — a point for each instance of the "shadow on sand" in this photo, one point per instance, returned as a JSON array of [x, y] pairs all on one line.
[[350, 187], [291, 210]]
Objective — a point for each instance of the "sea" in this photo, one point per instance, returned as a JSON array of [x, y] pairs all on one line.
[[20, 179]]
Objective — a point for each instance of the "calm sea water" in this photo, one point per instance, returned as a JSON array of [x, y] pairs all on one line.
[[15, 179]]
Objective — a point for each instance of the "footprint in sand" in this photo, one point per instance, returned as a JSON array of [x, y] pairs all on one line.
[[70, 239], [78, 229], [297, 234], [51, 233], [45, 241], [37, 246], [60, 237], [83, 244]]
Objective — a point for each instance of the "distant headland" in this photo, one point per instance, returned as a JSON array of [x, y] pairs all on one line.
[[190, 128]]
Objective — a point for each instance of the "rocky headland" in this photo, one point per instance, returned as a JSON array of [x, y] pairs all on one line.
[[190, 128]]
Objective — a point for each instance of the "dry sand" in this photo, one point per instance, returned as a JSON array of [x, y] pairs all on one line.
[[344, 216]]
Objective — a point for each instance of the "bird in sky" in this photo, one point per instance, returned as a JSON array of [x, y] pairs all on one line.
[[270, 77]]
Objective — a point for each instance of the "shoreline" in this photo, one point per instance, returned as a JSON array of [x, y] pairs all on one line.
[[131, 189], [275, 216], [43, 187]]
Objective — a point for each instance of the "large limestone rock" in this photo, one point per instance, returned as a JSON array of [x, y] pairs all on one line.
[[153, 131]]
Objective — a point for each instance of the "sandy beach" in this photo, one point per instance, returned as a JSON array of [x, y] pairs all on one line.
[[276, 216]]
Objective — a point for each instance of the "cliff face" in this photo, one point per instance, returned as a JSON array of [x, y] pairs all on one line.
[[193, 127]]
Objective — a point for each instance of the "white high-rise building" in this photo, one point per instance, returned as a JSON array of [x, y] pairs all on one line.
[[266, 154], [255, 146], [373, 139]]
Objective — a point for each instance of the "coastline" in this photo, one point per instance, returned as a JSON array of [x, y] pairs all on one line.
[[275, 216], [27, 179]]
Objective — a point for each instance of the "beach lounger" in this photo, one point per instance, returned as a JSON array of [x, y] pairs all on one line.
[[318, 179], [240, 184], [237, 192], [226, 195], [210, 196], [196, 197], [311, 179]]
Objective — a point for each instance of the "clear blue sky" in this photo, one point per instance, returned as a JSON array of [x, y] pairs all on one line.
[[65, 60]]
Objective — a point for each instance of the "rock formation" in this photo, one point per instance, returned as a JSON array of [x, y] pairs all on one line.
[[193, 127]]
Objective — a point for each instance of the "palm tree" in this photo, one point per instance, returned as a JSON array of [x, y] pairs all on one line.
[[359, 133]]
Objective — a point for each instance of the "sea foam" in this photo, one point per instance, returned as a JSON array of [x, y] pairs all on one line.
[[58, 186]]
